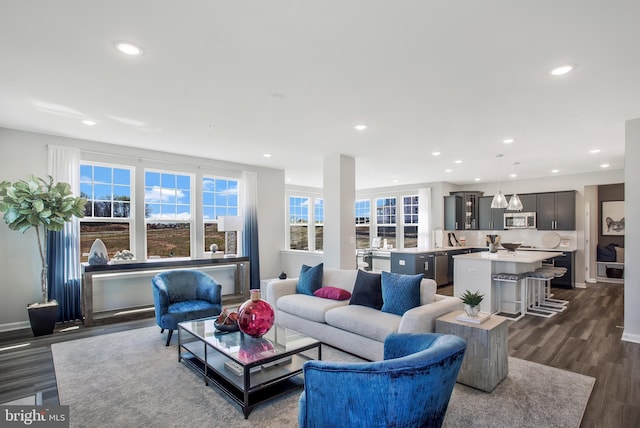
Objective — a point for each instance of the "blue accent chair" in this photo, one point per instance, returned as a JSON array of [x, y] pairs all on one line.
[[411, 387], [183, 295]]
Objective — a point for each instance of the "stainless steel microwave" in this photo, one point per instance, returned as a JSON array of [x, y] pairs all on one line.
[[519, 220]]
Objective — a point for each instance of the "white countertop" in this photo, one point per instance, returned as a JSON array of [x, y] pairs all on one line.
[[468, 247], [506, 256]]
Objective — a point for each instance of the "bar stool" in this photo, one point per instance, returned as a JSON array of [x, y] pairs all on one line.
[[557, 272], [536, 282], [516, 279]]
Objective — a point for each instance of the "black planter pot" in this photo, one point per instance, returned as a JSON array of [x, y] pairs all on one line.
[[43, 318]]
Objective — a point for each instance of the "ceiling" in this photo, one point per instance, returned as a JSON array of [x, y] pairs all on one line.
[[233, 80]]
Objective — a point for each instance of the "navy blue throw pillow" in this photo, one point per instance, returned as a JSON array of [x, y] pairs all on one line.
[[400, 292], [310, 279], [367, 290]]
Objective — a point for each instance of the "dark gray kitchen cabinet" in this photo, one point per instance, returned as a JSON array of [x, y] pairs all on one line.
[[453, 213], [413, 263], [489, 218], [529, 203], [463, 213], [556, 210]]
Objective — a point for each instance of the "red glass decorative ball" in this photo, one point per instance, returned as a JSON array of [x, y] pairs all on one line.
[[255, 316]]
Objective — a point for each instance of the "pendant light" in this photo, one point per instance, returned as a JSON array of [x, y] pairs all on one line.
[[515, 204], [499, 201]]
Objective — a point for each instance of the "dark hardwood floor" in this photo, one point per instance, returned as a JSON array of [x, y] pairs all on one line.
[[584, 339]]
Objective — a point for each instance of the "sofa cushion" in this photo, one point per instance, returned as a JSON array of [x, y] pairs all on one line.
[[428, 289], [367, 290], [364, 321], [400, 292], [310, 279], [333, 293], [342, 278], [308, 307]]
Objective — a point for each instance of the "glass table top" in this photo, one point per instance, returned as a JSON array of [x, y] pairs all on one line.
[[244, 348]]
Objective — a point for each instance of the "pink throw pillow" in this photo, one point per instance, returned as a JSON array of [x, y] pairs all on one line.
[[333, 293]]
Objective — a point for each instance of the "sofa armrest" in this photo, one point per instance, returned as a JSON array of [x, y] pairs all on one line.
[[422, 319], [278, 288]]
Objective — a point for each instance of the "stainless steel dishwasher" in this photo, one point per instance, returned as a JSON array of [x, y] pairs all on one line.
[[442, 268]]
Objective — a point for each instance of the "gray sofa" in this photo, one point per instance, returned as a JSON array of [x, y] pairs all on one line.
[[360, 330]]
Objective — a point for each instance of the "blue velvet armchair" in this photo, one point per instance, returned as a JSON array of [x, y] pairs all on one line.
[[411, 387], [182, 295]]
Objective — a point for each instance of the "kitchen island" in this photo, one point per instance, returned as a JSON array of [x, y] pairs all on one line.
[[473, 271]]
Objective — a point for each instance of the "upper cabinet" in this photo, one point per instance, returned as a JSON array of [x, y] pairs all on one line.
[[453, 214], [556, 210], [461, 211], [489, 218], [529, 203]]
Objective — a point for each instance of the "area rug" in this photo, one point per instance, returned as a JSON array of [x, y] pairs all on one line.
[[131, 379]]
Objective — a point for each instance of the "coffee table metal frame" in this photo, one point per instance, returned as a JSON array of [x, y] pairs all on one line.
[[270, 366]]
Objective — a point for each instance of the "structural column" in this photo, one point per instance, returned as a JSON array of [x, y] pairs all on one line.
[[339, 212]]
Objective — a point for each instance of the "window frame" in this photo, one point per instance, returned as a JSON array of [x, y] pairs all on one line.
[[130, 220]]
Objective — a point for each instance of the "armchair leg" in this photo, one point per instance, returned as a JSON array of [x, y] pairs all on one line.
[[161, 330], [169, 337]]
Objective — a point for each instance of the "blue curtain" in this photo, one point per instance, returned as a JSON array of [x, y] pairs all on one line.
[[250, 233], [63, 287], [63, 248]]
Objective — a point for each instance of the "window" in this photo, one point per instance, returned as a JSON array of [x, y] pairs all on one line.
[[298, 223], [410, 208], [363, 221], [319, 220], [167, 198], [108, 211], [386, 219], [219, 197]]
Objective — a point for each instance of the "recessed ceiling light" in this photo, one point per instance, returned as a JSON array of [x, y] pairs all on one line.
[[457, 161], [267, 155], [447, 170], [508, 140], [604, 165], [436, 153], [288, 179], [396, 181], [360, 127], [562, 70], [513, 175], [129, 49], [476, 179], [89, 122], [594, 151], [555, 171]]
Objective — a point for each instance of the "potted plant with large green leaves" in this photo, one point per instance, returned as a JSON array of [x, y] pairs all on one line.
[[42, 205]]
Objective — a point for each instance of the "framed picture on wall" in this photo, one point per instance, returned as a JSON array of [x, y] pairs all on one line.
[[613, 218]]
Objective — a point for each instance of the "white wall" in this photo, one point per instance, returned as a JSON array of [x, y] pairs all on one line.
[[24, 153], [632, 233]]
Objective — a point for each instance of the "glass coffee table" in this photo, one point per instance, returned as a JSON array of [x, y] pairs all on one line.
[[249, 370]]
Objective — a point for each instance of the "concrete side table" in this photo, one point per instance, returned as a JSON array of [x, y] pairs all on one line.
[[485, 362]]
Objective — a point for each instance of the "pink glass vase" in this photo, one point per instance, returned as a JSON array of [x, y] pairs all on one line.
[[255, 316]]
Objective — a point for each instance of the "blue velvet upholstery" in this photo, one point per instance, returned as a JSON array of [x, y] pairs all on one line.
[[411, 387], [182, 295]]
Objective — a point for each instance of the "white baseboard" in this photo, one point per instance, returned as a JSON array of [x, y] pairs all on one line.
[[15, 326], [581, 285], [628, 337]]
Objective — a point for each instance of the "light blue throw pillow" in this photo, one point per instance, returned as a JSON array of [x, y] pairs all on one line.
[[400, 292], [310, 279]]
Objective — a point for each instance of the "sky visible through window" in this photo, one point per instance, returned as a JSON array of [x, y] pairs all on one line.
[[219, 198]]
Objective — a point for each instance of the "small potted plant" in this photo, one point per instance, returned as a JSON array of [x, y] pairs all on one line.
[[472, 302], [42, 205]]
